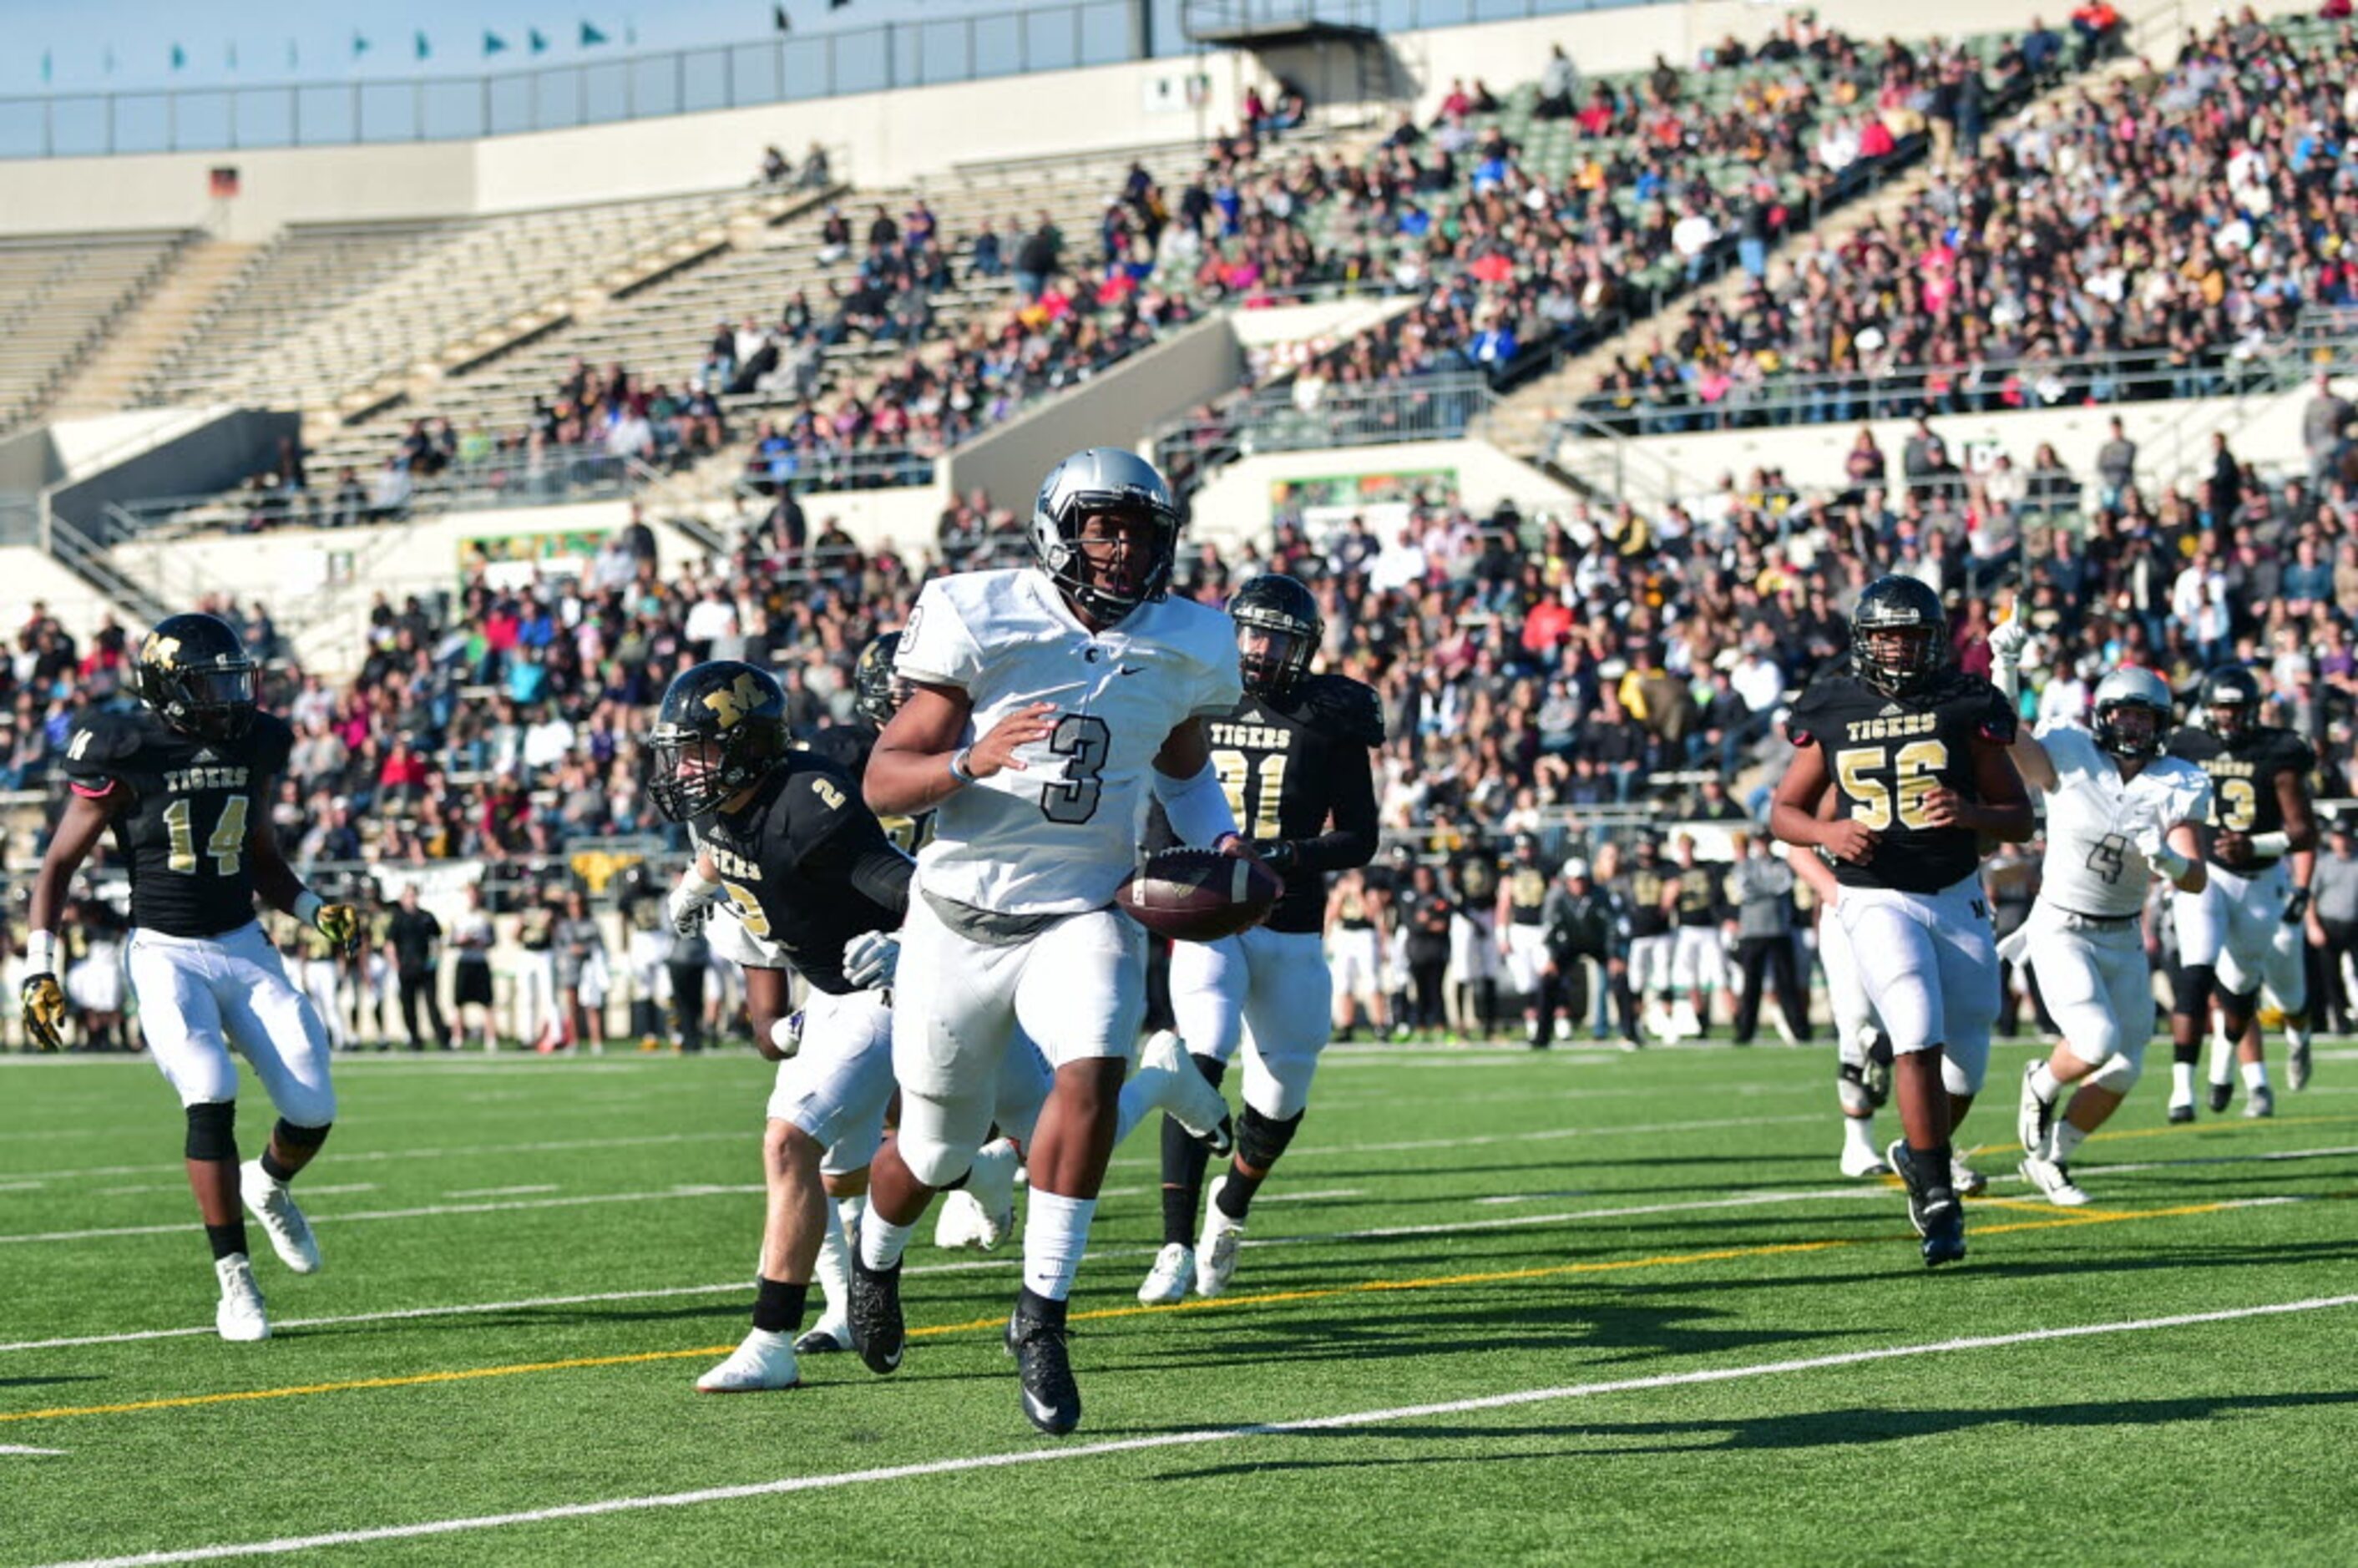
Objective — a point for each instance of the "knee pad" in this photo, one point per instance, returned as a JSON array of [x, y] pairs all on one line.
[[2191, 995], [296, 1137], [213, 1130], [1260, 1139], [1858, 1101], [939, 1165], [2119, 1072], [2237, 1007], [1212, 1067]]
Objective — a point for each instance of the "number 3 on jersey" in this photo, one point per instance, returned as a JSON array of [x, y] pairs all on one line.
[[1873, 778], [227, 845], [1083, 738]]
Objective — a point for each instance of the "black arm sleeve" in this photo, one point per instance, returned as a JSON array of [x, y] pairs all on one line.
[[882, 873], [1352, 839]]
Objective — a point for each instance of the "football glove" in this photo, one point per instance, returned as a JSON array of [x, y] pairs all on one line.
[[44, 1010], [2295, 906], [871, 960], [341, 924], [690, 907], [1280, 855], [2007, 641]]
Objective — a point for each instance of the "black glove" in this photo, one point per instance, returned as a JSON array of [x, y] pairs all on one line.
[[1280, 855], [2295, 906]]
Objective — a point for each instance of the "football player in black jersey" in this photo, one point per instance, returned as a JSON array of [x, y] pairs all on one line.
[[2240, 929], [1294, 759], [1519, 925], [1917, 751], [784, 837], [183, 783], [877, 691]]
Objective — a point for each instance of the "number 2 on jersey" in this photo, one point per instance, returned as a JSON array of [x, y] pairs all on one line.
[[227, 845], [1911, 772], [1251, 798]]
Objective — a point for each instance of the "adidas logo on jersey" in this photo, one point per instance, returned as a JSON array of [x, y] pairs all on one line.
[[1891, 710]]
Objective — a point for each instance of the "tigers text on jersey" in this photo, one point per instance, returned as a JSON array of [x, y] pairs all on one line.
[[1058, 835], [1291, 767], [2244, 778], [2092, 866], [183, 830], [1885, 754], [785, 862]]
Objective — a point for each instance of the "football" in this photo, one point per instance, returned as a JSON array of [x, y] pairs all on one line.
[[1199, 895]]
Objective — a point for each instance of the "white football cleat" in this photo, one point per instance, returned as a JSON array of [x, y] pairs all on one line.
[[2054, 1178], [960, 1222], [1171, 1083], [241, 1315], [1858, 1160], [1215, 1246], [273, 1205], [1167, 1282], [990, 1182], [765, 1360], [1967, 1182]]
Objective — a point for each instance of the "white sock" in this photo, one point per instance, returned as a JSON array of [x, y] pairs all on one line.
[[2256, 1074], [2064, 1141], [1056, 1233], [882, 1242], [2043, 1084], [2181, 1083], [833, 1270], [1859, 1134], [2223, 1059], [1137, 1103], [848, 1213]]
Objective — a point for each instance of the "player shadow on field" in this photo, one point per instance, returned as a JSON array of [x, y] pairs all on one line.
[[1815, 1429], [1720, 1163], [44, 1382]]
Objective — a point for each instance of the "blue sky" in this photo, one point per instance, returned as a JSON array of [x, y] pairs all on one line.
[[78, 37]]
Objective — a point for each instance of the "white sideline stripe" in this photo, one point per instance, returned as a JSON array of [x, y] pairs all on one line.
[[20, 1448], [427, 1211], [501, 1192], [308, 1191], [1313, 1197], [1191, 1439], [344, 1157], [1552, 1134]]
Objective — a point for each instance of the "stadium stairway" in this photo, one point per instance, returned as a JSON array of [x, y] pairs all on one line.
[[58, 299], [131, 357]]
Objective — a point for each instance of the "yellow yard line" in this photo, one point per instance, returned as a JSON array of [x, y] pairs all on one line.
[[1263, 1298]]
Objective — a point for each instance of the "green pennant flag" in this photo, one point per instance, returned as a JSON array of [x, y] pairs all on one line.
[[107, 60], [493, 44], [591, 36], [538, 40], [179, 57], [46, 65], [232, 54], [294, 55], [359, 46], [425, 49]]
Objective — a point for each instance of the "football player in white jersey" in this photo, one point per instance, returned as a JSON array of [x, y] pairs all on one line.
[[1863, 1052], [2119, 813], [1045, 702]]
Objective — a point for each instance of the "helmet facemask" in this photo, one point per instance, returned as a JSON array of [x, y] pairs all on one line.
[[2134, 732], [1897, 659], [214, 702]]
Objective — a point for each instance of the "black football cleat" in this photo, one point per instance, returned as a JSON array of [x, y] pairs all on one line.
[[1035, 1338], [878, 1332], [1932, 1209], [2182, 1111], [2220, 1094]]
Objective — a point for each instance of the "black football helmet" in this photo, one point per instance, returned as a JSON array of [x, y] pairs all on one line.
[[194, 673], [2121, 697], [2231, 702], [877, 689], [1286, 617], [1898, 635], [1101, 482], [721, 729]]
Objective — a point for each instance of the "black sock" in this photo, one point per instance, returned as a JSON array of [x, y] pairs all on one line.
[[778, 1306], [273, 1169], [1932, 1165], [1237, 1192], [1040, 1309], [1184, 1159], [228, 1240]]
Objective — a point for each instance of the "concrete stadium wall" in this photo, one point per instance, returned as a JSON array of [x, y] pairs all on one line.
[[886, 137], [1238, 505], [30, 576]]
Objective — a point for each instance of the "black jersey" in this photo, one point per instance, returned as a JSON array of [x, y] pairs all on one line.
[[1527, 891], [1644, 886], [1701, 895], [2245, 780], [1291, 768], [183, 828], [1354, 910], [807, 865], [1885, 754], [847, 746]]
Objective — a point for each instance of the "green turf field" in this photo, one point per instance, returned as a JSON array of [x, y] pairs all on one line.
[[1580, 1307]]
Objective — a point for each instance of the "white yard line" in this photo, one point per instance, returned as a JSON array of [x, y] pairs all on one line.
[[501, 1192], [669, 1195], [1369, 1418], [750, 1134], [20, 1448], [1330, 1193]]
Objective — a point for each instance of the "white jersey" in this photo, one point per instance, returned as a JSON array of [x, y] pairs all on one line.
[[2092, 866], [1058, 835]]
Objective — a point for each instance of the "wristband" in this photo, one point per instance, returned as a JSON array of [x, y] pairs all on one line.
[[958, 765], [41, 952], [2276, 845], [697, 885], [2169, 862], [307, 905]]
